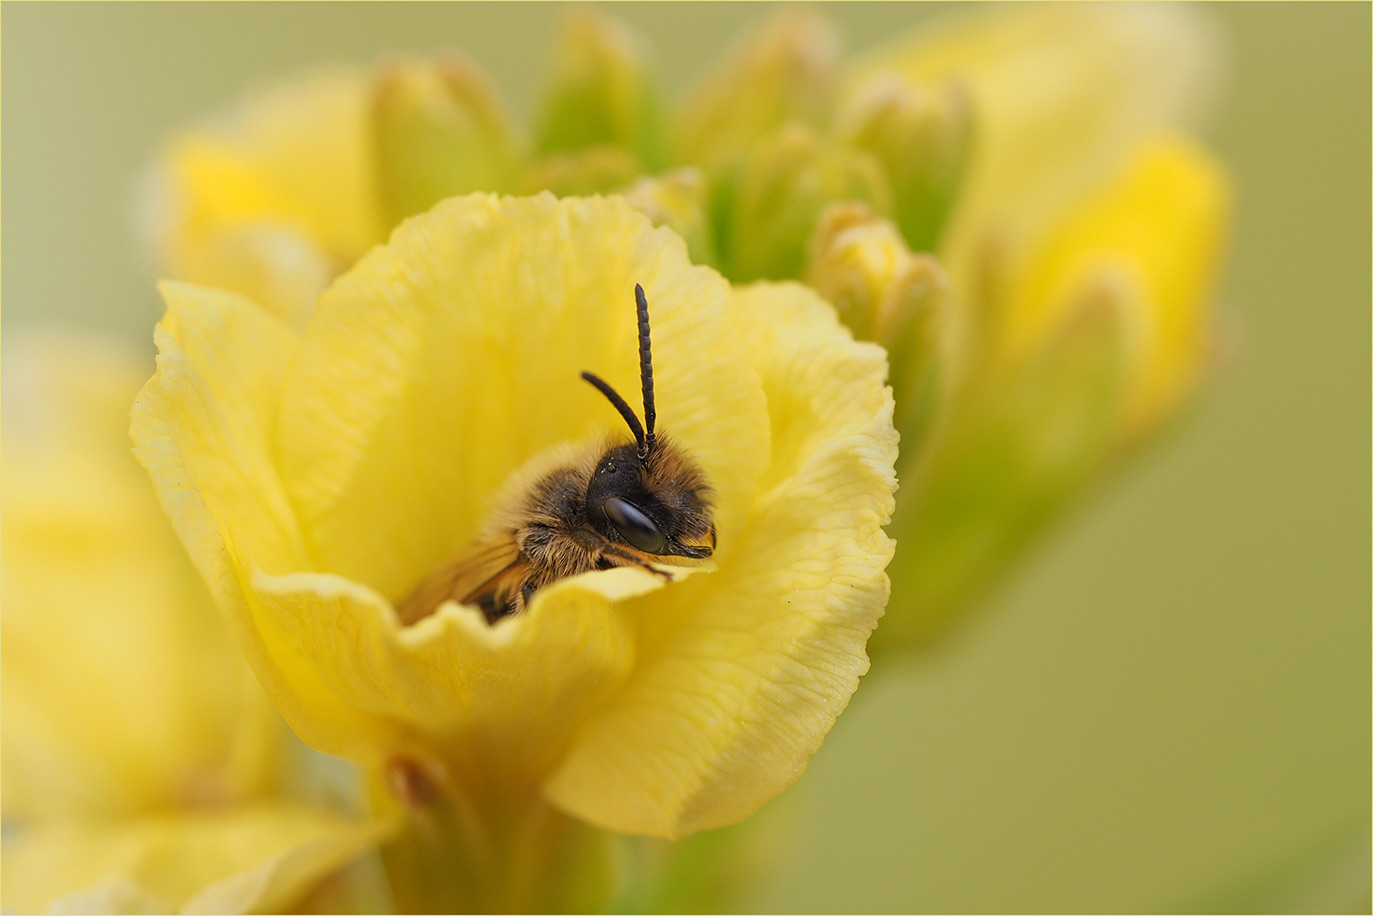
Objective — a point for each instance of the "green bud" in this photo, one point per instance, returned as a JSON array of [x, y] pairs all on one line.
[[439, 130], [1008, 456], [678, 200], [777, 194], [782, 72], [922, 138], [882, 290], [601, 92], [887, 294]]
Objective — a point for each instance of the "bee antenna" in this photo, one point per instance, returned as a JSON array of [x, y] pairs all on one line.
[[625, 410], [645, 372]]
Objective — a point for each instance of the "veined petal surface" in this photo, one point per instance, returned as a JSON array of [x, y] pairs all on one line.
[[745, 670]]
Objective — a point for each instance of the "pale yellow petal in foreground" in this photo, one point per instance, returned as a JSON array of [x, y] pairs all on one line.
[[335, 475], [495, 704], [744, 671], [447, 359], [202, 427], [257, 858], [208, 417]]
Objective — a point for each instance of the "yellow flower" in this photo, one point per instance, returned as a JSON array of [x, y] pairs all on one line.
[[1083, 253], [317, 477], [257, 857], [122, 688], [143, 765], [275, 200], [1033, 162]]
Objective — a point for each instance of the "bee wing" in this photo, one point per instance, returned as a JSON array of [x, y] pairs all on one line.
[[489, 574]]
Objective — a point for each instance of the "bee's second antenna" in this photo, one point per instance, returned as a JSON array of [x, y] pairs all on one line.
[[645, 369]]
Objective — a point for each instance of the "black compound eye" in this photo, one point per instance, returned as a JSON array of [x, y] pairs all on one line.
[[636, 528]]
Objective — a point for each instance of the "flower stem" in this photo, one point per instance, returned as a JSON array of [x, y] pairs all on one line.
[[481, 849]]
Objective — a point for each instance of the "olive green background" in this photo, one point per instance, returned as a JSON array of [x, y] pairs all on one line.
[[1166, 707]]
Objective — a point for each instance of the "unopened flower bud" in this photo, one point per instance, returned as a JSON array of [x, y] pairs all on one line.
[[440, 130], [885, 293], [601, 92], [785, 71], [922, 137], [1011, 452], [679, 200], [779, 192]]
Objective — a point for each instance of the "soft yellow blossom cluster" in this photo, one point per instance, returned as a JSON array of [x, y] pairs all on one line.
[[985, 198], [990, 238]]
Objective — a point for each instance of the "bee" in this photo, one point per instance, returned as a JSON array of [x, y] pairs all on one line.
[[625, 505]]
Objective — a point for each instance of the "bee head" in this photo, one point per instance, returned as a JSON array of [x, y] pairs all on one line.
[[648, 495], [660, 505]]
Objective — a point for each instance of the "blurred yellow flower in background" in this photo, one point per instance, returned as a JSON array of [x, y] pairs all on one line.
[[123, 691], [317, 478], [1083, 253], [144, 767]]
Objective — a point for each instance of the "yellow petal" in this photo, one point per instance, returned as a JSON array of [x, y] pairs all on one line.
[[437, 367], [294, 161], [1160, 226], [679, 200], [297, 156], [264, 857], [203, 427], [1060, 92], [493, 704], [123, 690], [208, 416], [743, 671], [280, 269], [447, 359]]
